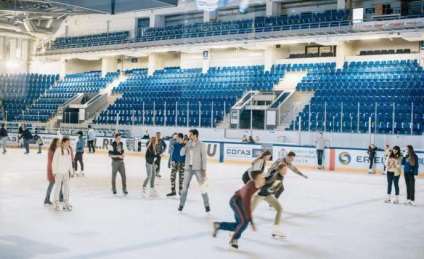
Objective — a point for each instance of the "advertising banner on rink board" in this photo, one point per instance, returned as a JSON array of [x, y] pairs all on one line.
[[241, 152], [305, 156], [358, 159]]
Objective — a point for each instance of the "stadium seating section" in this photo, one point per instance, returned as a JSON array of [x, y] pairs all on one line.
[[330, 18], [18, 91], [91, 40], [182, 97], [46, 106], [348, 97], [384, 52]]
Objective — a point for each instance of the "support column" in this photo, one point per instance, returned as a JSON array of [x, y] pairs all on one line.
[[108, 65], [206, 61], [157, 21], [273, 8], [155, 63], [343, 50], [210, 16], [341, 4], [274, 53]]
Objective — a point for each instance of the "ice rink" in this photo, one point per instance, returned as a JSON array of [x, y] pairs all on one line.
[[329, 215]]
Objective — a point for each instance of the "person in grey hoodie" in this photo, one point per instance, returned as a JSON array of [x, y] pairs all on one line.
[[3, 137], [195, 164], [321, 143], [79, 153]]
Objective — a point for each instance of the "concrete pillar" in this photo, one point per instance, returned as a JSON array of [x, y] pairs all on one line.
[[273, 8], [155, 63], [157, 21], [341, 4], [210, 16], [274, 53], [109, 65], [206, 61], [343, 50]]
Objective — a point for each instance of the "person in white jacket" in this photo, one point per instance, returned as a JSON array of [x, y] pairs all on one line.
[[62, 169]]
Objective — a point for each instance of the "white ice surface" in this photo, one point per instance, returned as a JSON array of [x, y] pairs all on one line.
[[329, 215]]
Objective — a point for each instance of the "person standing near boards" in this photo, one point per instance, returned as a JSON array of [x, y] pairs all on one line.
[[91, 137], [151, 153], [178, 164], [116, 152], [372, 151], [410, 168], [27, 136], [321, 143], [3, 137], [79, 153]]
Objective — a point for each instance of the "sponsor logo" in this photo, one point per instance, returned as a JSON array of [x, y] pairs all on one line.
[[344, 158], [239, 152]]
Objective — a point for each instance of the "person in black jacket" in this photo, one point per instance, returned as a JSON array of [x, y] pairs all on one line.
[[3, 137], [27, 136], [151, 154], [116, 152], [160, 148], [372, 151]]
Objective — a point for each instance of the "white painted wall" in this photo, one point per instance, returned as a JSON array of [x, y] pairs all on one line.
[[73, 66], [46, 67], [14, 54]]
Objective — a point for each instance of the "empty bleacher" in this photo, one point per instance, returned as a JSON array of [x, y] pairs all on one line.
[[45, 107], [182, 97], [326, 19], [345, 99], [20, 90]]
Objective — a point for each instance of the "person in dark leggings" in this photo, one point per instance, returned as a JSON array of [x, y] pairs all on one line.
[[79, 153], [372, 151], [240, 203], [257, 165], [410, 169], [393, 165]]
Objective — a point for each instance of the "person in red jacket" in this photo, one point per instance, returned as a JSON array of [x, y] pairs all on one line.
[[53, 145], [240, 203]]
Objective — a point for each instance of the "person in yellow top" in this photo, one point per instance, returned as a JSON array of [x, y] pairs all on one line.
[[394, 167]]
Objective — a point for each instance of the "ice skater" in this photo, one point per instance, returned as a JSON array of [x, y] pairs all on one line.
[[257, 165], [178, 164], [372, 151], [410, 168], [39, 142], [288, 161], [3, 137], [240, 203], [393, 166], [62, 171], [55, 144], [195, 164], [79, 153], [116, 152], [160, 148], [273, 182], [151, 153]]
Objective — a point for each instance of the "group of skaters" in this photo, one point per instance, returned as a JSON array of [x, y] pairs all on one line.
[[188, 158]]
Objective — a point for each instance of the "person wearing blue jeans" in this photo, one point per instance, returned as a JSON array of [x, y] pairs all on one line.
[[240, 203], [195, 164], [151, 153]]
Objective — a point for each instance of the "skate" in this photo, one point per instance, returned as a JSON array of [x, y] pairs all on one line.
[[114, 191], [82, 173], [407, 202], [67, 206], [396, 200], [56, 206], [153, 193], [124, 191], [143, 192], [215, 227], [412, 203], [388, 199], [276, 233], [173, 193], [158, 175], [180, 208], [234, 243], [207, 209], [47, 203]]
